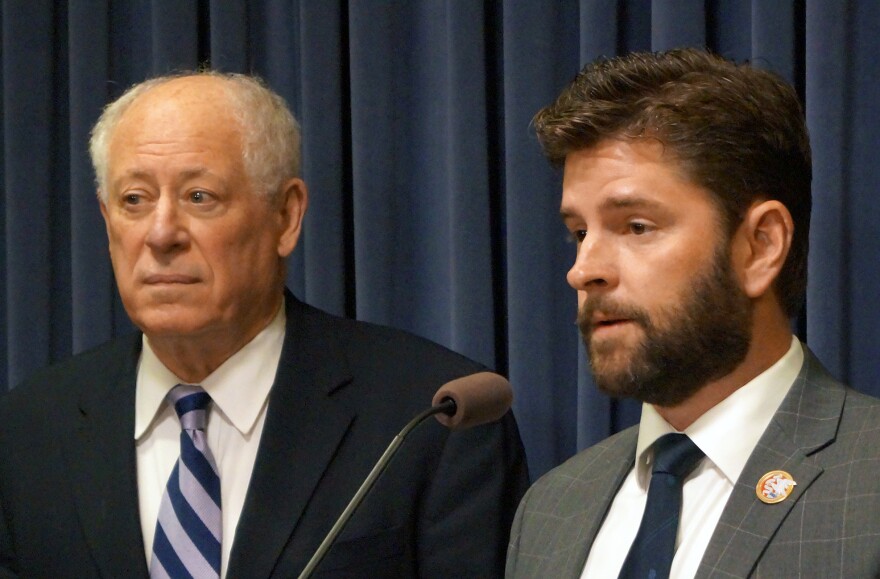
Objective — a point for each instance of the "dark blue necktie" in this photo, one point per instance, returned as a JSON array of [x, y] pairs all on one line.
[[188, 532], [650, 557]]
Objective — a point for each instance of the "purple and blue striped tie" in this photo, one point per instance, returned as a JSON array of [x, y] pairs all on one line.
[[188, 532]]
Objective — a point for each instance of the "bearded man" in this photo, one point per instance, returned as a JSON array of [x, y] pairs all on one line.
[[687, 191]]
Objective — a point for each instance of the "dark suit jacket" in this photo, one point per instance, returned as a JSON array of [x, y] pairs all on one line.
[[68, 490], [824, 434]]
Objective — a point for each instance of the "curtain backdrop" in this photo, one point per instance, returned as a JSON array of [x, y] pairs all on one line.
[[431, 207]]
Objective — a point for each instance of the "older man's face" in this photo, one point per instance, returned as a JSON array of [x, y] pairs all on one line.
[[195, 249]]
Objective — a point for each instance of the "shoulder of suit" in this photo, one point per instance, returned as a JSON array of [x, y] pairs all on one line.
[[60, 380], [615, 449], [370, 343], [860, 422], [857, 407]]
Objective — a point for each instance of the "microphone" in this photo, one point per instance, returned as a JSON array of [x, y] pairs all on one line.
[[459, 404], [479, 398]]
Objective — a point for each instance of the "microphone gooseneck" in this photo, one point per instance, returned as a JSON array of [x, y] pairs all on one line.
[[459, 404]]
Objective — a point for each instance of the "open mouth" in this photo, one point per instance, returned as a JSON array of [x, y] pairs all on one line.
[[607, 323]]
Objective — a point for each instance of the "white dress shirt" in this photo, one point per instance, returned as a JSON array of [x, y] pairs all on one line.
[[727, 434], [239, 389]]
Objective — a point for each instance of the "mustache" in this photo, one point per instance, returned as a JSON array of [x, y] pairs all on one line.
[[609, 308]]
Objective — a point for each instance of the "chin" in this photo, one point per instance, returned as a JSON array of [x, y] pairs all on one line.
[[173, 321], [612, 357]]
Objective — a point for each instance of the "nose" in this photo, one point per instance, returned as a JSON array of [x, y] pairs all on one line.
[[168, 232], [593, 266]]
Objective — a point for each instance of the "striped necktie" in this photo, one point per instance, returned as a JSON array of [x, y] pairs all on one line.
[[650, 557], [188, 532]]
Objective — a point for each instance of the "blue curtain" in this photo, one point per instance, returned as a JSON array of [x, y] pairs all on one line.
[[431, 207]]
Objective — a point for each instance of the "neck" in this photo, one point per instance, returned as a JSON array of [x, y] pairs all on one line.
[[194, 357], [771, 339]]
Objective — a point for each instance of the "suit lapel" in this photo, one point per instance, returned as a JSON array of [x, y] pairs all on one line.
[[806, 421], [100, 457], [592, 486], [618, 460], [304, 426]]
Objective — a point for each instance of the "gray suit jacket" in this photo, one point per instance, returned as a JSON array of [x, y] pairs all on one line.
[[826, 435]]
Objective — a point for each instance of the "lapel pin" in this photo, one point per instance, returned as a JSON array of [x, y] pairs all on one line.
[[775, 486]]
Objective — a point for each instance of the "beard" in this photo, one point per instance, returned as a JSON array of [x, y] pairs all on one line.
[[685, 345]]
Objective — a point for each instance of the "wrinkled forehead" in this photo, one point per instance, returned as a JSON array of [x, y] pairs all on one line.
[[181, 110]]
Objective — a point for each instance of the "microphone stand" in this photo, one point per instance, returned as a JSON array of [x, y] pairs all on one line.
[[448, 407]]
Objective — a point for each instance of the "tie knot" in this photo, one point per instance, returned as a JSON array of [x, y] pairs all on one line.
[[191, 404], [676, 454]]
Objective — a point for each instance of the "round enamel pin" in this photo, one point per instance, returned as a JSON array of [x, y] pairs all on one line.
[[775, 486]]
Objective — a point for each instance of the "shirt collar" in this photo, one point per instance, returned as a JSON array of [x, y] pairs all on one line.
[[729, 431], [239, 387]]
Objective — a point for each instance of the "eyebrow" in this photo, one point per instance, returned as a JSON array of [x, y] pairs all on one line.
[[196, 172], [628, 202], [147, 176], [134, 174], [617, 202]]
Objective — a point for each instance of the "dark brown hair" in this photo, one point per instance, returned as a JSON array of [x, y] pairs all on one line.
[[737, 131]]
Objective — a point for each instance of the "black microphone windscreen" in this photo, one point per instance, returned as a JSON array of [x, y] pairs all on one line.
[[479, 398]]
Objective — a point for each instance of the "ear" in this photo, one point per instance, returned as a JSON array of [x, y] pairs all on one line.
[[293, 200], [761, 244]]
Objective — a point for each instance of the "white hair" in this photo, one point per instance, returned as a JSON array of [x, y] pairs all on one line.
[[269, 132]]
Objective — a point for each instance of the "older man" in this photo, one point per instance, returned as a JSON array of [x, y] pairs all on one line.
[[284, 408], [687, 190]]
